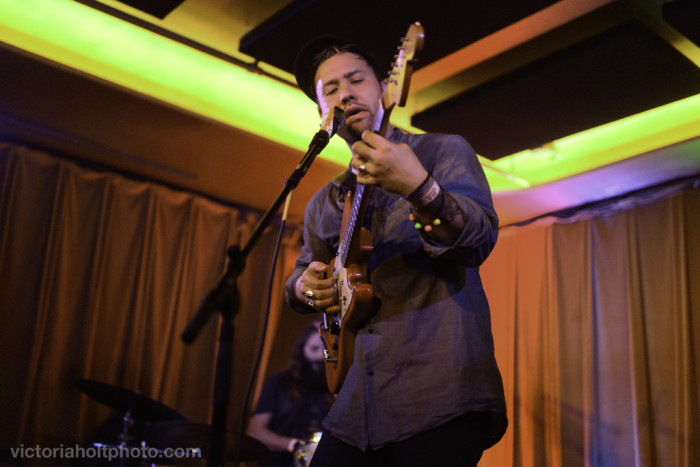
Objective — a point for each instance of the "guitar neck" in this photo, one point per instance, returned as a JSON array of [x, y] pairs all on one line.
[[394, 95], [344, 250], [359, 201]]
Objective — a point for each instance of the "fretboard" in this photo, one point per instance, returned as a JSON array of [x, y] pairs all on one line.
[[344, 248]]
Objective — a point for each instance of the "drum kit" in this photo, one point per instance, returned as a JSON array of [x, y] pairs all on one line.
[[157, 431]]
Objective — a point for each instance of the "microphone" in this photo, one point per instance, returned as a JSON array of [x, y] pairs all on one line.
[[331, 122]]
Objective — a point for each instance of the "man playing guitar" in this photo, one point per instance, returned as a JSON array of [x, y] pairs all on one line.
[[421, 386]]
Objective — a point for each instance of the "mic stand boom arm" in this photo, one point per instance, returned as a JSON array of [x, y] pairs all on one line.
[[224, 296]]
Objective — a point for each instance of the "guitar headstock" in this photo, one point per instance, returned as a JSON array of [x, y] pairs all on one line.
[[399, 79]]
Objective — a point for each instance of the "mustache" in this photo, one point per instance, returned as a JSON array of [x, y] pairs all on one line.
[[354, 109]]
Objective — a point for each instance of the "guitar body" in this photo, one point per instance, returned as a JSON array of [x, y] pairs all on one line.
[[343, 343], [355, 295]]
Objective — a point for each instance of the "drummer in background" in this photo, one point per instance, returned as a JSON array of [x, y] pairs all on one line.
[[293, 402]]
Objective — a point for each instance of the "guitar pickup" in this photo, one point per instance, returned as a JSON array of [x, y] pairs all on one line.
[[329, 356]]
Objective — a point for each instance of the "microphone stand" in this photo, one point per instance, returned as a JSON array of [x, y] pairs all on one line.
[[225, 299]]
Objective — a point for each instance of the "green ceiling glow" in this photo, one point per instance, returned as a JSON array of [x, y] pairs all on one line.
[[606, 144], [93, 42]]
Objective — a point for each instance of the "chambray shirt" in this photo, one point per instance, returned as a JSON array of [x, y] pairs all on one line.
[[426, 356]]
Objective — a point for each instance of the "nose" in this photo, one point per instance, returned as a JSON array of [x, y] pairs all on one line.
[[346, 94]]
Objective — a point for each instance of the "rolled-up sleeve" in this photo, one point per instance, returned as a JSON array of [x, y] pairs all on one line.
[[455, 166]]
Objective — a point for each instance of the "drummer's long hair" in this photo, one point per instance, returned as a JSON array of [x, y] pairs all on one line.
[[300, 377]]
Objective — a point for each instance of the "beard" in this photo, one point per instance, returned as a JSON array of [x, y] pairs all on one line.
[[352, 133]]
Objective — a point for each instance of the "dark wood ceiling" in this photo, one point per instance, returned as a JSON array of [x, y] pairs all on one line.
[[587, 70], [377, 26]]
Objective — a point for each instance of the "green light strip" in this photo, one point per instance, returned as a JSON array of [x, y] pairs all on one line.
[[88, 40], [607, 144]]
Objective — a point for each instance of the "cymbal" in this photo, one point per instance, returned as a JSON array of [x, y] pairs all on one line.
[[122, 400], [183, 434]]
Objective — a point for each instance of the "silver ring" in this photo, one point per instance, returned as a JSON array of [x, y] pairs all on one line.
[[312, 302], [309, 293], [362, 168]]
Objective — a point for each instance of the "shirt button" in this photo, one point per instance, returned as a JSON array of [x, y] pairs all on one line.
[[370, 329], [370, 372]]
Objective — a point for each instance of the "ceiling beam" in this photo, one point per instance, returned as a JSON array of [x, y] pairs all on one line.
[[541, 34]]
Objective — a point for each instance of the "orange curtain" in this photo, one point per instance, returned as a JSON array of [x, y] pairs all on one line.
[[597, 323], [99, 275], [595, 317]]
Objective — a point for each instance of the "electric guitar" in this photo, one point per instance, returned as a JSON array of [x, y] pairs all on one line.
[[349, 267]]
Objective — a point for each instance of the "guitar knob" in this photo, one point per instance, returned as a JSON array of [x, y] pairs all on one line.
[[335, 328]]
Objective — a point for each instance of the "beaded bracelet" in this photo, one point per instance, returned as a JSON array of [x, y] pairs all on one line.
[[427, 227]]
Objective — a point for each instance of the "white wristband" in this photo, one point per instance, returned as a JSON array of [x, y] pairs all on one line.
[[424, 194]]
